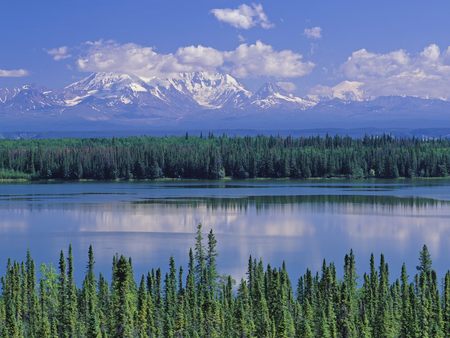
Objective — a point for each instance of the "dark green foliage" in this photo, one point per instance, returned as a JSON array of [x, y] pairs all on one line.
[[217, 157], [205, 304]]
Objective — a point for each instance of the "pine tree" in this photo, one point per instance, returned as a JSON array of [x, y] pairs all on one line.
[[49, 297], [307, 323], [191, 296], [199, 257], [372, 300], [170, 299], [104, 306], [71, 297], [244, 325], [406, 309], [324, 329], [44, 328], [122, 307], [180, 316], [2, 318], [62, 320], [211, 264], [260, 309], [347, 313], [91, 315], [142, 328], [424, 292], [446, 305], [383, 326], [31, 301]]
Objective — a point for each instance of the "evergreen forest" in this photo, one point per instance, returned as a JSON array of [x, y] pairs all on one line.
[[200, 302], [212, 157]]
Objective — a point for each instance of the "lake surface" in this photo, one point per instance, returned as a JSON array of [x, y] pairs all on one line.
[[300, 222]]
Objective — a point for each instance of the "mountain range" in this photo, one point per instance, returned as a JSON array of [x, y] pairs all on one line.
[[201, 100]]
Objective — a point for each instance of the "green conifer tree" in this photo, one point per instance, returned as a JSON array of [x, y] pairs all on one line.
[[121, 306]]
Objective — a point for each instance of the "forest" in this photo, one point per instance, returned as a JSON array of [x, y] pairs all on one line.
[[204, 303], [216, 157]]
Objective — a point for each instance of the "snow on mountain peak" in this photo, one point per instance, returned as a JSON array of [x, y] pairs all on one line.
[[211, 90], [269, 89], [182, 93], [349, 91], [109, 81], [270, 95], [345, 91]]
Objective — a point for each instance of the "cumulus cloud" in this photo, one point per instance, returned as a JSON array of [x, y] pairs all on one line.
[[314, 33], [131, 58], [243, 17], [287, 86], [247, 60], [259, 59], [13, 72], [204, 57], [425, 74], [59, 53]]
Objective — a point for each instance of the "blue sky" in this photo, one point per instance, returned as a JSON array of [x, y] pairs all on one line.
[[395, 47]]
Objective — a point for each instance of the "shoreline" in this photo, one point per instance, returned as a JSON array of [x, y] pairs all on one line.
[[225, 179]]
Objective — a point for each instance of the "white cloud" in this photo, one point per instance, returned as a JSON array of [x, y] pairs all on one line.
[[260, 59], [127, 58], [59, 53], [287, 86], [247, 60], [13, 72], [425, 74], [200, 57], [244, 16], [314, 33]]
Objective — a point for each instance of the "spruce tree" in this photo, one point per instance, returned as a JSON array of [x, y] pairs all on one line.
[[406, 309], [90, 299], [142, 329], [62, 320], [104, 306], [446, 305], [199, 257], [71, 297], [211, 264], [31, 301], [121, 306], [44, 328]]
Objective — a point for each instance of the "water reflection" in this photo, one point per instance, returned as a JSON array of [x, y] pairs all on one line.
[[301, 229]]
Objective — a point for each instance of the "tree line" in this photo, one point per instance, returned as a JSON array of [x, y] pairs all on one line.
[[214, 157], [204, 303]]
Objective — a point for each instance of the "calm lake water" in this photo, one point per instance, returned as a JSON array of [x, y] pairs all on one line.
[[300, 222]]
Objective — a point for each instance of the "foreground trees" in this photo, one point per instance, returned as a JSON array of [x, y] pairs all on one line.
[[217, 157], [201, 303]]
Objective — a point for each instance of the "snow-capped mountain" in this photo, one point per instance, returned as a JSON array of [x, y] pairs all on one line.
[[345, 91], [113, 93], [28, 99], [109, 82], [271, 95], [7, 94], [208, 90], [207, 100], [185, 91]]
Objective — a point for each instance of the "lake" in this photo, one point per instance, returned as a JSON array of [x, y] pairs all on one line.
[[300, 222]]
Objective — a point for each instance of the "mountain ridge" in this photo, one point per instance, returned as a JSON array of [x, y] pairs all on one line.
[[210, 100]]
